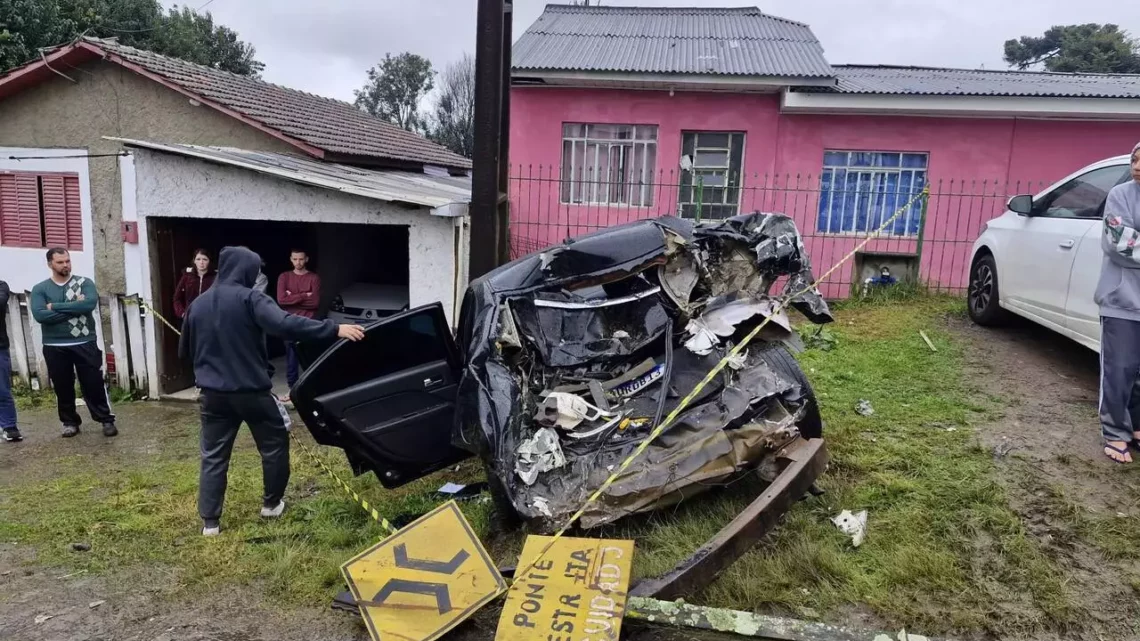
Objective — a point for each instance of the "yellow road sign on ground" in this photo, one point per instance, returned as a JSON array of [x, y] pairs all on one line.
[[425, 579], [575, 592]]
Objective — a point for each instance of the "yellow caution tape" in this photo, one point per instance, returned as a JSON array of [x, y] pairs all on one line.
[[143, 304], [668, 421], [373, 512]]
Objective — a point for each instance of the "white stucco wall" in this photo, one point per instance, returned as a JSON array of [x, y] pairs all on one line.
[[23, 267], [176, 186]]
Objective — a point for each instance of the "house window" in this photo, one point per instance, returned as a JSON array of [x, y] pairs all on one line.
[[40, 210], [717, 157], [608, 164], [860, 190]]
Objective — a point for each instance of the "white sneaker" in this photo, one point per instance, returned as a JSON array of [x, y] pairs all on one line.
[[273, 512], [211, 531]]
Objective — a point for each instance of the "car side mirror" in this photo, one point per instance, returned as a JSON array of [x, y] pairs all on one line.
[[1021, 205]]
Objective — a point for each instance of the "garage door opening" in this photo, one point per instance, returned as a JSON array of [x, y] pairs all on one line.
[[367, 264]]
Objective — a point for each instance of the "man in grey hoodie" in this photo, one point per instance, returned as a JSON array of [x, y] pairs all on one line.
[[1118, 294]]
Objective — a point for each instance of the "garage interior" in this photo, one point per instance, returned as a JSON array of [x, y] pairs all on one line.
[[341, 253]]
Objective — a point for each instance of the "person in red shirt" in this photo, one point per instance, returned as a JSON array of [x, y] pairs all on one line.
[[298, 292], [193, 283]]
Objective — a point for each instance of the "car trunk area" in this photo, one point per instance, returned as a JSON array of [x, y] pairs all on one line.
[[341, 253]]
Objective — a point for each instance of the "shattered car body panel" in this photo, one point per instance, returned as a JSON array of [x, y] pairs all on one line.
[[630, 319]]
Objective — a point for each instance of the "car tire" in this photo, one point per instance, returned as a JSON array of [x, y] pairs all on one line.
[[982, 296], [782, 362]]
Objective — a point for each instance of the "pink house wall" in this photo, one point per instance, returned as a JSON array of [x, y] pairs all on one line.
[[974, 163]]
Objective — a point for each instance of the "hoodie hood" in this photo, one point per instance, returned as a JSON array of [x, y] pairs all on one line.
[[238, 266], [1135, 149]]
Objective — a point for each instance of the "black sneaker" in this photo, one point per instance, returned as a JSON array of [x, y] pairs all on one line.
[[12, 435], [70, 430], [109, 429]]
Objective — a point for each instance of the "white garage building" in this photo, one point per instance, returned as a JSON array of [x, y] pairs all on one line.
[[358, 225]]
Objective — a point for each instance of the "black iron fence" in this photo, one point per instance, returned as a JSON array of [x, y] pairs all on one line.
[[929, 241]]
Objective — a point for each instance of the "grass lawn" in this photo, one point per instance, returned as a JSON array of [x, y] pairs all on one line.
[[943, 546]]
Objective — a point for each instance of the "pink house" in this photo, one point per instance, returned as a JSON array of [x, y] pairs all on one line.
[[620, 113]]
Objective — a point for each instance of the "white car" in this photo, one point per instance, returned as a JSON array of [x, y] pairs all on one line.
[[1041, 258], [366, 303]]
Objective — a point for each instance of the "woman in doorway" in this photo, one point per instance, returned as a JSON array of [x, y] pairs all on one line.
[[193, 283], [1118, 294]]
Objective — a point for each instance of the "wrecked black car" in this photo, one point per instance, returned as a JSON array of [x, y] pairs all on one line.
[[565, 360]]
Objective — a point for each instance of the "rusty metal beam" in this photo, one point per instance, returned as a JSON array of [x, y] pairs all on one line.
[[806, 461]]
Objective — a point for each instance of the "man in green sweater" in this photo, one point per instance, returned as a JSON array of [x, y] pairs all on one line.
[[64, 306]]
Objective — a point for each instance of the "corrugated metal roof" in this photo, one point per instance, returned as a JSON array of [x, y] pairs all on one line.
[[324, 123], [435, 191], [735, 41], [919, 81]]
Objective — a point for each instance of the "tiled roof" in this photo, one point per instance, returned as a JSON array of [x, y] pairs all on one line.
[[925, 81], [738, 42], [329, 125]]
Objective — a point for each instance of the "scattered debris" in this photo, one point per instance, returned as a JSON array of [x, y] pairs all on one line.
[[95, 604], [541, 453], [80, 547], [853, 525], [817, 337], [926, 338], [462, 492], [869, 436], [903, 636], [567, 411], [864, 408], [1001, 450], [543, 506], [41, 618]]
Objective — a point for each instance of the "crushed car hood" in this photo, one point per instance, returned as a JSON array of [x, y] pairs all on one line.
[[573, 354]]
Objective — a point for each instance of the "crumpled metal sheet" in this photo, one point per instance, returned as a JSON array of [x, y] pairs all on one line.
[[729, 264]]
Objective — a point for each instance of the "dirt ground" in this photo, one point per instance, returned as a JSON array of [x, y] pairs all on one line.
[[1048, 452], [1045, 444]]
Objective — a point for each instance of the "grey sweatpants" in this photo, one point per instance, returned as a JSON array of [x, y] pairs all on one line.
[[222, 414], [1119, 378]]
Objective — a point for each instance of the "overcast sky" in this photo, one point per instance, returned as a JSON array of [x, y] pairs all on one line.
[[325, 46]]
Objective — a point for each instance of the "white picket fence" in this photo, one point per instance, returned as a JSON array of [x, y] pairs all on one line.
[[128, 342]]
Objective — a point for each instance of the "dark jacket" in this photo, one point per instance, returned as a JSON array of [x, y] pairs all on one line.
[[224, 330], [191, 286], [4, 293]]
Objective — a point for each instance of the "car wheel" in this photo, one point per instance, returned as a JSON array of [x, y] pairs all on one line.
[[781, 360], [982, 299]]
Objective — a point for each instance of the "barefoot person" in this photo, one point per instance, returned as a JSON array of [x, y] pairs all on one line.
[[64, 306], [1118, 294], [224, 335]]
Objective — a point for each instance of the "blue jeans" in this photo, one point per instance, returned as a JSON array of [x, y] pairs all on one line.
[[7, 403]]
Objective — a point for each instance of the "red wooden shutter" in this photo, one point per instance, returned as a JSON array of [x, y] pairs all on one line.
[[55, 211], [74, 213], [63, 221], [19, 210]]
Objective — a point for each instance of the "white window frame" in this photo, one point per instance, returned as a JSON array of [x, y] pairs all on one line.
[[591, 190], [725, 170]]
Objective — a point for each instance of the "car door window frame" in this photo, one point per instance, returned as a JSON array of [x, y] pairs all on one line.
[[1044, 207]]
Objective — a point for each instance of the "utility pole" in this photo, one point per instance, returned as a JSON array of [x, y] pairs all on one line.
[[489, 207]]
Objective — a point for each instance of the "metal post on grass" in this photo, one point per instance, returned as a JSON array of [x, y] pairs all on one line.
[[921, 233]]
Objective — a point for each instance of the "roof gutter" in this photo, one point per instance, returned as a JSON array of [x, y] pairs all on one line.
[[797, 102]]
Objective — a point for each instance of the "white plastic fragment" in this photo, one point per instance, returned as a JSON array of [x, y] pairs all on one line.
[[41, 618], [864, 408], [568, 410], [853, 525], [541, 453]]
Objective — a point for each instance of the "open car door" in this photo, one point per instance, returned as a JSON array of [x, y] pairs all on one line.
[[389, 400]]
